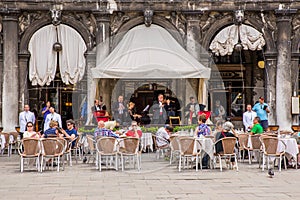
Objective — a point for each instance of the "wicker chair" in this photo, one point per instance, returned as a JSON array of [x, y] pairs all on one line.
[[270, 145], [7, 145], [53, 148], [228, 144], [160, 149], [243, 142], [174, 147], [131, 149], [186, 149], [256, 147], [92, 149], [29, 148], [106, 148]]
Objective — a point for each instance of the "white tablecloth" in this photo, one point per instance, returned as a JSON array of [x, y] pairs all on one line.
[[291, 147], [146, 140], [204, 144]]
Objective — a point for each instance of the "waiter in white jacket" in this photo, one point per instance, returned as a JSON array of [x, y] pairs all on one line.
[[24, 117], [248, 118], [52, 116]]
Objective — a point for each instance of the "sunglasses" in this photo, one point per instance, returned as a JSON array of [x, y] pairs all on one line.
[[29, 126], [69, 124]]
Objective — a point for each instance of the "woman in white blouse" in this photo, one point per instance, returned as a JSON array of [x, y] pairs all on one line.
[[30, 133]]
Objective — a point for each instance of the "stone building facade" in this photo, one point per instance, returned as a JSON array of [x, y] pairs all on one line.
[[106, 21]]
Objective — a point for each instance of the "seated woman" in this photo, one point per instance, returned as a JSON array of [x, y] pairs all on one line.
[[227, 131], [202, 128], [30, 133], [134, 130]]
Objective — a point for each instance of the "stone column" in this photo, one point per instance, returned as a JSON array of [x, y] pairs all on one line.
[[270, 85], [23, 78], [95, 57], [1, 81], [295, 79], [10, 71], [283, 72], [102, 51], [91, 84]]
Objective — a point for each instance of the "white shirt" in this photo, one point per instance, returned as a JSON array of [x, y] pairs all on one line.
[[161, 137], [52, 116], [25, 117], [248, 117]]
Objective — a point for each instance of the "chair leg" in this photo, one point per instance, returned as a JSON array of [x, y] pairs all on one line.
[[116, 162], [236, 163], [122, 161], [264, 162], [196, 163], [249, 157], [99, 162], [220, 162], [22, 164], [179, 167]]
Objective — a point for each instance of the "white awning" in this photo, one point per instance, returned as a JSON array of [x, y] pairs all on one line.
[[150, 52], [43, 60], [224, 42]]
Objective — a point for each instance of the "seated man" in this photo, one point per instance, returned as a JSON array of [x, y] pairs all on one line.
[[102, 131], [134, 130], [163, 136], [257, 128]]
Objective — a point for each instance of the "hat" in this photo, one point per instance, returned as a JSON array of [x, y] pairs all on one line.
[[227, 126]]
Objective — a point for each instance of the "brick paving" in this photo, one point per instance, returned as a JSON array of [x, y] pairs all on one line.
[[156, 180]]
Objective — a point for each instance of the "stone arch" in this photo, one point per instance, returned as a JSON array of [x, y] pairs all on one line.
[[226, 21], [67, 20], [140, 20]]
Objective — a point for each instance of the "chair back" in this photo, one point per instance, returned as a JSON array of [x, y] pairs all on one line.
[[131, 145], [6, 136], [270, 144], [271, 133], [243, 140], [174, 143], [296, 128], [285, 132], [174, 119], [255, 140], [228, 144], [273, 127], [106, 145], [52, 147], [62, 147], [90, 141], [15, 135], [31, 147], [186, 145]]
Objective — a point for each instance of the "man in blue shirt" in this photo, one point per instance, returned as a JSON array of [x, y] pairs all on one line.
[[262, 110]]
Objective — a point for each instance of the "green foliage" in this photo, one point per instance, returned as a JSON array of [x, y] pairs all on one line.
[[149, 129], [184, 128], [84, 130]]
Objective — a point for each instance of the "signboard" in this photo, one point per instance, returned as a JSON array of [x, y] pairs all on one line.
[[295, 105]]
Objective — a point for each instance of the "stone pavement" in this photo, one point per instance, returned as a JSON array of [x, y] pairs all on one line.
[[156, 180]]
